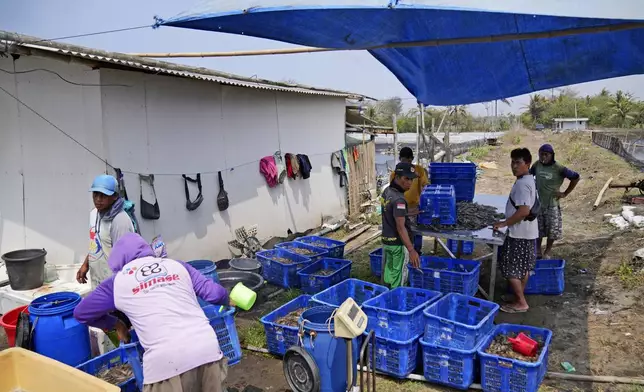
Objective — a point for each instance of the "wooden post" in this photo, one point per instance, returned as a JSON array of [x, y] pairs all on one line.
[[418, 139], [394, 118]]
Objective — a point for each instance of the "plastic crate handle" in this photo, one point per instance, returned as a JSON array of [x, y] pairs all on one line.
[[473, 303], [369, 288]]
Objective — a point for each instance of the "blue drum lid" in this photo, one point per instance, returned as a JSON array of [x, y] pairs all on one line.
[[300, 370], [53, 304]]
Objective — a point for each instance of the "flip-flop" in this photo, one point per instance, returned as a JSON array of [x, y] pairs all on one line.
[[511, 310], [508, 298]]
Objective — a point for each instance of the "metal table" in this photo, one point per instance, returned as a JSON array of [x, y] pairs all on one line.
[[485, 236]]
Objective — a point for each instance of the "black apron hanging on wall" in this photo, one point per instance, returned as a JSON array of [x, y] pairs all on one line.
[[149, 211], [193, 205], [222, 197]]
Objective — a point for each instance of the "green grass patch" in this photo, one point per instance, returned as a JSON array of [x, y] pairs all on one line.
[[479, 152], [252, 334]]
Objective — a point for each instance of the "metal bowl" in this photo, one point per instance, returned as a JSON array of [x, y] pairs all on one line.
[[249, 265], [230, 278]]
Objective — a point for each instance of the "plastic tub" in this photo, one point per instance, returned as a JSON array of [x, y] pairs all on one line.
[[246, 265], [359, 290], [398, 314], [229, 279], [312, 252], [312, 283], [335, 247], [280, 337], [446, 275], [56, 333], [25, 268], [459, 321], [375, 262], [23, 370], [223, 322], [449, 366], [9, 321], [125, 353], [279, 273], [395, 358], [501, 374], [206, 267]]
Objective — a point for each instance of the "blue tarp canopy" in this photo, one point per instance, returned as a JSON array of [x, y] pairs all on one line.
[[512, 56]]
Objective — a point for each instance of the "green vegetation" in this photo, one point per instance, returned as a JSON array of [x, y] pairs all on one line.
[[479, 152], [605, 109], [456, 117], [252, 334]]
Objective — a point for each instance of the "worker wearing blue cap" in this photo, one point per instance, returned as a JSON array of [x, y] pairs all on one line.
[[108, 222]]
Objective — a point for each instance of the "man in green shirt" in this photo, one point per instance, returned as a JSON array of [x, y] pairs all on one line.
[[549, 176], [398, 249]]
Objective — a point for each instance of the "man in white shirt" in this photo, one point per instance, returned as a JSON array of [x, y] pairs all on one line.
[[519, 253], [108, 222]]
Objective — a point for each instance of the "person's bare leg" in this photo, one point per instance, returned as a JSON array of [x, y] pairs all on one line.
[[520, 302], [524, 282], [539, 248], [549, 244]]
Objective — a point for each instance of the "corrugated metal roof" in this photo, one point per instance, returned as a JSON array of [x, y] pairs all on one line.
[[179, 70]]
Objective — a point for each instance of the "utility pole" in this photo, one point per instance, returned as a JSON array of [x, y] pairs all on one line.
[[394, 118]]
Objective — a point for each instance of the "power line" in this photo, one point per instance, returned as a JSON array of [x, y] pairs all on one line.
[[62, 78], [96, 33]]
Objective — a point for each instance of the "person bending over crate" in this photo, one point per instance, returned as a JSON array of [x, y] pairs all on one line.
[[518, 255], [159, 296], [398, 249]]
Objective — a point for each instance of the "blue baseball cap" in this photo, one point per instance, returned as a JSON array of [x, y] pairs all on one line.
[[104, 184]]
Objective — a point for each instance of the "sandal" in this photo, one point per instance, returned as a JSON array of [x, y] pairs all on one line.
[[507, 298], [511, 310]]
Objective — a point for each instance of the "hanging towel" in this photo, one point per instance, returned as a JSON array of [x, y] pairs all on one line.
[[305, 165], [356, 153], [269, 170], [289, 166], [295, 164], [346, 160], [281, 169], [338, 167], [193, 205], [148, 210]]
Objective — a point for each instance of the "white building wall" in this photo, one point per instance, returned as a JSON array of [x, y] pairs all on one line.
[[167, 126]]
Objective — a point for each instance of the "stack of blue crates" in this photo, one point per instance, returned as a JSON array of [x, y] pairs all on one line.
[[455, 327], [446, 275], [437, 205], [282, 273], [397, 319], [461, 175]]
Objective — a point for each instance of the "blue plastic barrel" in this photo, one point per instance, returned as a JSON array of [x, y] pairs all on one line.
[[207, 268], [329, 352], [56, 333]]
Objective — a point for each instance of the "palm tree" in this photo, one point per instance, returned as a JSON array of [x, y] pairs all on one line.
[[536, 107], [604, 92], [622, 106]]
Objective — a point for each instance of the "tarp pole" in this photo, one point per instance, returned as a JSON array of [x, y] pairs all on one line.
[[417, 139], [394, 118]]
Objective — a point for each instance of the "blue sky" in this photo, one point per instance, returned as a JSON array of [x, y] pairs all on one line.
[[352, 71]]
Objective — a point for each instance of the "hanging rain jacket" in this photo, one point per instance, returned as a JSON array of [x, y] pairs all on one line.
[[268, 168]]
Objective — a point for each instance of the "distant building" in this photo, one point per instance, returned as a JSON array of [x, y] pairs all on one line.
[[570, 124], [539, 127]]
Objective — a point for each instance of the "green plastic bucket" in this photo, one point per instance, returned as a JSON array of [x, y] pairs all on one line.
[[242, 296]]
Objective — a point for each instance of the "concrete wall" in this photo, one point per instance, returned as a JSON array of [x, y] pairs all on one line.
[[166, 126]]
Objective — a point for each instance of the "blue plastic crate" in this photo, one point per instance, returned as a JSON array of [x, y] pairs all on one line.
[[335, 247], [314, 253], [446, 275], [398, 314], [279, 273], [125, 353], [459, 321], [437, 204], [499, 374], [467, 248], [449, 366], [280, 338], [359, 290], [311, 283], [375, 260], [461, 175], [547, 278], [223, 322], [395, 358]]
